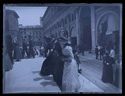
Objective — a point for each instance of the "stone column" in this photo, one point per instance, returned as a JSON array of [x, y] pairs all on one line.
[[77, 25], [93, 34], [4, 47], [120, 44]]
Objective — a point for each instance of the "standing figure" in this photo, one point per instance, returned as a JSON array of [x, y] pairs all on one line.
[[46, 49], [31, 51], [42, 51], [24, 48], [8, 58], [9, 46], [107, 75], [112, 55], [76, 57], [58, 63], [70, 80], [81, 50], [17, 53], [101, 53], [28, 51], [96, 52]]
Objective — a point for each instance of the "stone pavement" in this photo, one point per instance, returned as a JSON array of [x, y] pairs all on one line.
[[25, 78], [92, 70]]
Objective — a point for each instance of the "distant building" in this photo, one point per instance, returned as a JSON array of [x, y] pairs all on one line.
[[11, 23], [34, 31]]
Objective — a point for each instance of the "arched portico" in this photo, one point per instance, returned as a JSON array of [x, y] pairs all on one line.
[[107, 24], [108, 35]]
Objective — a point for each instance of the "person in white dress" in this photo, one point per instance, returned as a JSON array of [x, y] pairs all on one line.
[[70, 80]]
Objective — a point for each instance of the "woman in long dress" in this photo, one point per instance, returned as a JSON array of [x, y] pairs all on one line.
[[47, 66], [107, 75], [70, 81]]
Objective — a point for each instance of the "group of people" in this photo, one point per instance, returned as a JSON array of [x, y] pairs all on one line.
[[108, 57], [28, 49], [99, 51], [61, 63], [16, 52]]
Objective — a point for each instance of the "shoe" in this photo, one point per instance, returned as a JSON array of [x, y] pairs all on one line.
[[80, 71], [17, 60]]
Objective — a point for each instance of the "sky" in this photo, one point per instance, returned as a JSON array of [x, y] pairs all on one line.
[[28, 15]]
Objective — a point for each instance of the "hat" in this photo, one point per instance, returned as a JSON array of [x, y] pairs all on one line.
[[69, 42]]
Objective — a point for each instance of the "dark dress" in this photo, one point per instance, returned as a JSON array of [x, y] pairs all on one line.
[[107, 76], [53, 64], [58, 64], [58, 70], [47, 66]]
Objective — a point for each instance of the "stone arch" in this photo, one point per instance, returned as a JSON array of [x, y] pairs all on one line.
[[110, 37], [108, 12]]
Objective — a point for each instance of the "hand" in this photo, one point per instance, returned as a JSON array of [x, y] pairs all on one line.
[[107, 63]]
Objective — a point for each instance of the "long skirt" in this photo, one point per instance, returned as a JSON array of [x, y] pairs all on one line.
[[47, 66], [107, 75], [58, 71], [70, 81]]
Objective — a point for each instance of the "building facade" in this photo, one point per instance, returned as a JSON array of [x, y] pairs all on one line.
[[34, 31], [11, 23], [88, 25]]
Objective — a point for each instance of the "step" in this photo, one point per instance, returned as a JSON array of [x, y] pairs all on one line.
[[107, 88]]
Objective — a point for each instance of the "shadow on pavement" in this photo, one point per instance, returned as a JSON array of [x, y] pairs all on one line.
[[43, 77], [45, 83], [35, 72], [38, 78]]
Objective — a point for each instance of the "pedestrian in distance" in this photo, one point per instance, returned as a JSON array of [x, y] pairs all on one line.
[[42, 51], [31, 51], [24, 48], [101, 52], [96, 52], [17, 53], [112, 55]]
